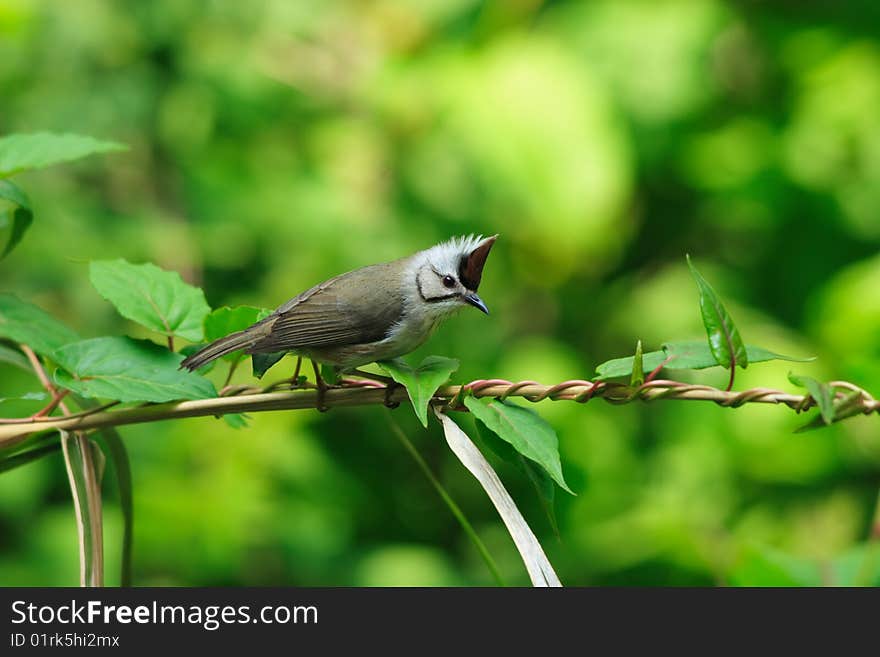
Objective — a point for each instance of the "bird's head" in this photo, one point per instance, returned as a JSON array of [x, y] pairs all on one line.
[[448, 274]]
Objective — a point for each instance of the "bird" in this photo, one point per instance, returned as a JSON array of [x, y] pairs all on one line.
[[375, 313]]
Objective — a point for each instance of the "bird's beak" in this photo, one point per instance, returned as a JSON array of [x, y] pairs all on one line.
[[476, 302]]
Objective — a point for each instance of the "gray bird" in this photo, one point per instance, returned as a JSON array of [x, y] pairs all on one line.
[[374, 313]]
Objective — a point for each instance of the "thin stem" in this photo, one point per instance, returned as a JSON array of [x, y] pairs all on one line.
[[170, 343], [732, 375], [57, 397], [38, 367], [447, 499], [232, 367]]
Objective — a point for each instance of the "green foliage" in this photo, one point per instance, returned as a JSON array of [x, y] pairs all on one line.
[[603, 139], [683, 355], [25, 323], [421, 382], [638, 368], [724, 340], [16, 216], [152, 297], [85, 469], [22, 152], [541, 481], [26, 456], [13, 357], [115, 448], [127, 370], [524, 429], [820, 392], [261, 363], [223, 321]]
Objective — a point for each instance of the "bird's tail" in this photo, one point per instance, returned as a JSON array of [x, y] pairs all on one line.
[[221, 347]]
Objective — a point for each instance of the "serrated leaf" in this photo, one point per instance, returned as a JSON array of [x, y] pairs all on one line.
[[684, 355], [22, 152], [638, 372], [152, 297], [16, 216], [421, 382], [25, 323], [724, 339], [525, 430], [127, 370], [223, 321], [260, 363], [820, 392]]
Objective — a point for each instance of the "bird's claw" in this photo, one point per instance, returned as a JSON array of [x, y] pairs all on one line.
[[389, 390]]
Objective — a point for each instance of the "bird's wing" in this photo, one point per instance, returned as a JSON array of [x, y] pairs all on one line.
[[355, 308]]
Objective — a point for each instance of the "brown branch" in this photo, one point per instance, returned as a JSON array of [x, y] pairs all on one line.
[[251, 401]]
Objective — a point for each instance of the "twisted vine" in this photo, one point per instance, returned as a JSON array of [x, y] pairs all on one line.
[[851, 399]]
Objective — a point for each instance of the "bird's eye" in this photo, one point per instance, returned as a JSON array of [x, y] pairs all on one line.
[[448, 281]]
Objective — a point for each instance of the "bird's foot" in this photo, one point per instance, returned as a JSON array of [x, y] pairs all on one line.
[[321, 388], [390, 389]]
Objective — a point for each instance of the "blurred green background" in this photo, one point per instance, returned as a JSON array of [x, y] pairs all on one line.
[[276, 143]]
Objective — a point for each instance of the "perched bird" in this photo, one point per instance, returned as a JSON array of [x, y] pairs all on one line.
[[374, 313]]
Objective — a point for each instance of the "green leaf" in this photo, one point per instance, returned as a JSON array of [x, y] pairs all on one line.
[[122, 467], [24, 323], [724, 338], [260, 363], [127, 370], [525, 430], [697, 355], [684, 355], [616, 367], [21, 152], [84, 470], [15, 218], [537, 476], [638, 373], [14, 357], [152, 297], [329, 374], [223, 321], [422, 382], [820, 392], [236, 420]]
